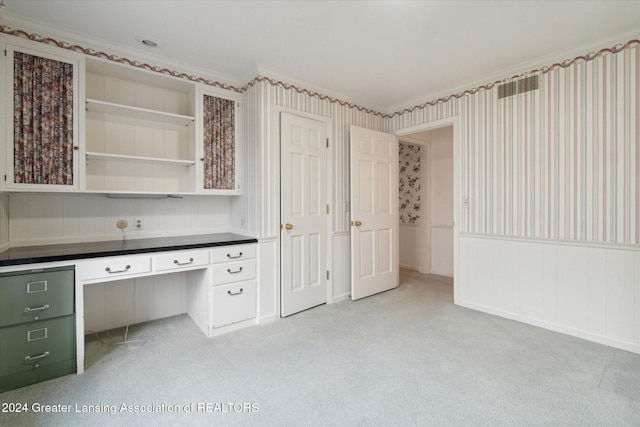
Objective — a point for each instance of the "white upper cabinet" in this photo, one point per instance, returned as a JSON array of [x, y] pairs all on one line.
[[75, 122], [41, 118], [218, 142], [140, 130]]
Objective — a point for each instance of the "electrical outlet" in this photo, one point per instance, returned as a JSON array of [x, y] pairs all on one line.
[[139, 223], [243, 223]]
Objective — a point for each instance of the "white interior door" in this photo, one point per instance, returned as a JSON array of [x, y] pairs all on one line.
[[374, 212], [303, 195]]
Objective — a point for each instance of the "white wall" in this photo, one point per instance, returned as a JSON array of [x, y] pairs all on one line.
[[410, 248], [441, 201], [557, 170], [57, 218]]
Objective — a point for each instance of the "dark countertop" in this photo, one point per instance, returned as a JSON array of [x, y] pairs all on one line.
[[75, 251]]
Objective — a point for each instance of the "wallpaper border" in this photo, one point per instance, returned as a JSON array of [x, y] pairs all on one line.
[[273, 82]]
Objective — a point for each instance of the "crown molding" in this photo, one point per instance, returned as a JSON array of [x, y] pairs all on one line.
[[18, 22], [519, 70], [310, 87]]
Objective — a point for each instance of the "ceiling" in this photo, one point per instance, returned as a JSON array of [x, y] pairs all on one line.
[[380, 54]]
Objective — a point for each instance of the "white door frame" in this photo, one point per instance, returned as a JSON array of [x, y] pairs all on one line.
[[275, 135], [425, 194], [455, 122]]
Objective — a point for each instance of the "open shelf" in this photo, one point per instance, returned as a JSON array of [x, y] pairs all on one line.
[[156, 160], [137, 113]]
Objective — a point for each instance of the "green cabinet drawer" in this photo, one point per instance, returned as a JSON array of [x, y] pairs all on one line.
[[39, 295], [36, 375], [30, 346]]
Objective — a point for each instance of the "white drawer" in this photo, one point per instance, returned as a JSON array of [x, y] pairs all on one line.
[[232, 253], [181, 260], [233, 303], [231, 272], [115, 267]]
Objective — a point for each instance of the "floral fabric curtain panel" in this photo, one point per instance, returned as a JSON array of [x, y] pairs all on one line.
[[219, 143], [43, 120]]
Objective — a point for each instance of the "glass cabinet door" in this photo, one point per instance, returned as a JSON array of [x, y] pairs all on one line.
[[42, 124], [219, 149]]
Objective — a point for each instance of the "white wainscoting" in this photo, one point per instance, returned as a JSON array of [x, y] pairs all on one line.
[[268, 279], [4, 220], [589, 291], [410, 246], [340, 267], [442, 250], [63, 218], [126, 302]]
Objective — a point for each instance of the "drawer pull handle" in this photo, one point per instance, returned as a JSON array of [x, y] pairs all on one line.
[[40, 356], [234, 272], [237, 256], [32, 309], [110, 271], [176, 262], [235, 293]]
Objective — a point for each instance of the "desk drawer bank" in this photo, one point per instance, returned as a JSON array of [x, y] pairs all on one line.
[[221, 294]]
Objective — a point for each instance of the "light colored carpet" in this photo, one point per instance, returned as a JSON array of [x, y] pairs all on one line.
[[403, 357]]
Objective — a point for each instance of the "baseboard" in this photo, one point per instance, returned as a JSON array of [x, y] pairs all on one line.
[[410, 267], [442, 274], [578, 333], [232, 327], [268, 319], [339, 298]]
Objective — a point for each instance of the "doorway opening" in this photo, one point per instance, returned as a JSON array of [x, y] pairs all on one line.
[[426, 205]]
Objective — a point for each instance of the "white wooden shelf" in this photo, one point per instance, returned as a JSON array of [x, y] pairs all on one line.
[[121, 157], [137, 113]]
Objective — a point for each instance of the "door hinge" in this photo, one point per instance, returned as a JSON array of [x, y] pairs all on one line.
[[327, 142], [327, 274], [327, 208], [5, 176], [5, 52]]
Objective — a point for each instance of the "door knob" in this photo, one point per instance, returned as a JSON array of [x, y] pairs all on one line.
[[356, 223], [288, 226]]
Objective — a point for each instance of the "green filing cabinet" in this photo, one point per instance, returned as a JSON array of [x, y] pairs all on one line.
[[37, 326]]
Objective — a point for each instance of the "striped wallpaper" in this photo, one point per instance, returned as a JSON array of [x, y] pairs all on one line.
[[250, 174], [560, 163], [343, 117], [263, 156]]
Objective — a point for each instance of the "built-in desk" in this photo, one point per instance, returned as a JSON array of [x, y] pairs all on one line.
[[221, 297]]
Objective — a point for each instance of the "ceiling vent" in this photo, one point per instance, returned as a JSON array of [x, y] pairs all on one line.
[[519, 86]]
